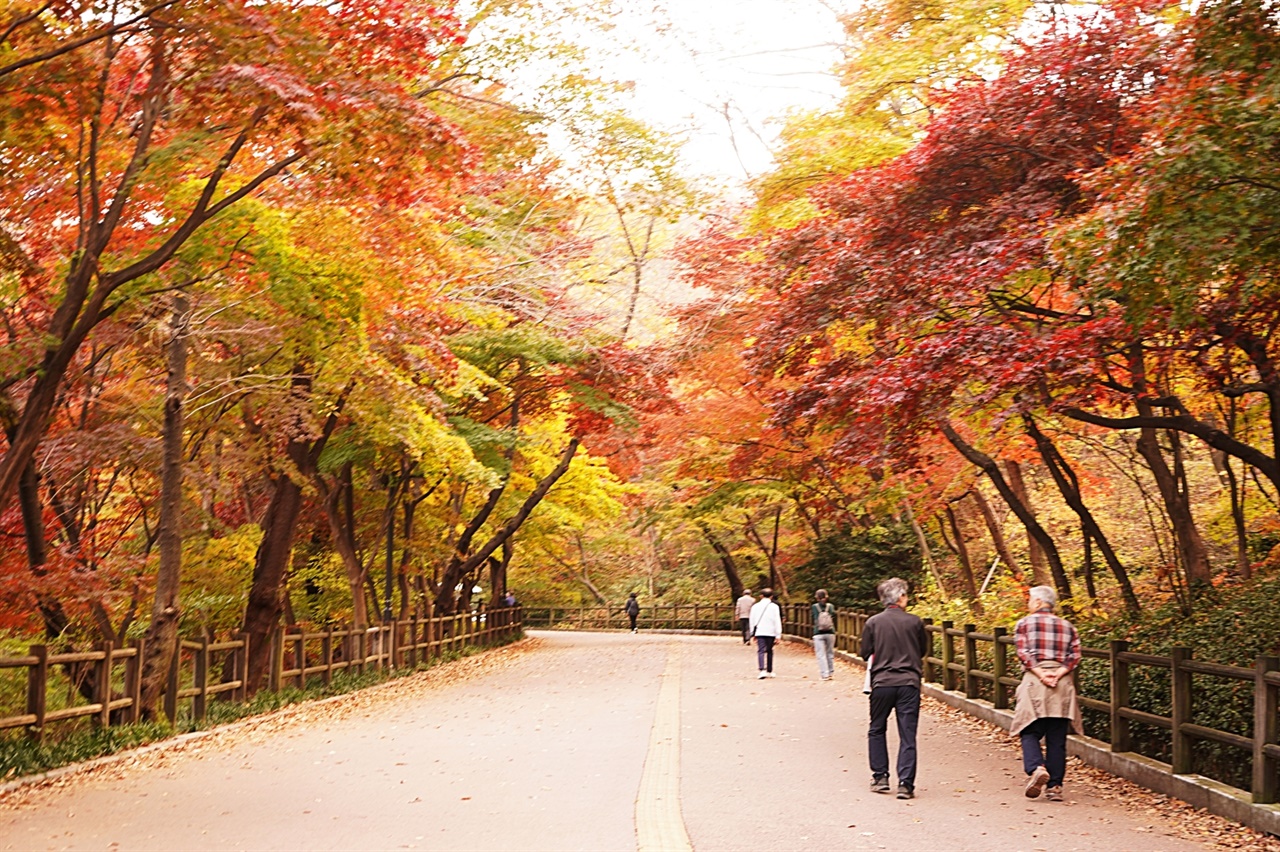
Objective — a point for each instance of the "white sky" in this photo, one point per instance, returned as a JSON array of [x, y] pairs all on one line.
[[758, 59], [690, 62]]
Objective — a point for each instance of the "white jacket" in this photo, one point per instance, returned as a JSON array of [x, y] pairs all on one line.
[[766, 618]]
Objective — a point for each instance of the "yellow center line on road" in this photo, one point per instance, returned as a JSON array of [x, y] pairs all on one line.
[[659, 822]]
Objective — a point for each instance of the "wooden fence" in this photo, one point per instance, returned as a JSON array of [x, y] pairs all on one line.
[[982, 666], [204, 670]]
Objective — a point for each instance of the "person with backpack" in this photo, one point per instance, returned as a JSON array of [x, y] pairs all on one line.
[[632, 609], [824, 634]]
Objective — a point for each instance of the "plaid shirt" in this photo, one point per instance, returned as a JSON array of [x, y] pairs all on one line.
[[1043, 636]]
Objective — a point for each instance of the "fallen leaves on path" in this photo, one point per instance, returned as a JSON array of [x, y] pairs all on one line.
[[1175, 817], [256, 730]]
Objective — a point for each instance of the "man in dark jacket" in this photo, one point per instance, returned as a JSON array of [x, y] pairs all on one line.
[[894, 644], [632, 609]]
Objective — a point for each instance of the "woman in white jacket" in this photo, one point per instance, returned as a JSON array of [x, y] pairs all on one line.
[[766, 626]]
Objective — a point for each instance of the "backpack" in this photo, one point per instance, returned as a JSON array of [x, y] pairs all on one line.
[[825, 623]]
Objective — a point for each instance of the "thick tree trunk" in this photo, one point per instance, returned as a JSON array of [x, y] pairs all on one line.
[[162, 635], [262, 613], [992, 470], [271, 564]]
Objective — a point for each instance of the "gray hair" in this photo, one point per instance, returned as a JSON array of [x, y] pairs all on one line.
[[1044, 594], [821, 594], [891, 590]]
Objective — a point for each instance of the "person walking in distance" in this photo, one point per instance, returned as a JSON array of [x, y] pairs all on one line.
[[765, 622], [896, 643], [824, 634], [742, 611], [1049, 649], [632, 609]]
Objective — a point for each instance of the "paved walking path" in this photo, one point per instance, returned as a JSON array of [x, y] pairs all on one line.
[[575, 741]]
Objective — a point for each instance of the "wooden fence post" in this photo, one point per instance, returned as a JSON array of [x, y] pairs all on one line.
[[133, 680], [171, 689], [1180, 701], [201, 699], [242, 668], [37, 685], [928, 635], [970, 661], [326, 649], [1000, 669], [102, 687], [1266, 769], [300, 657], [277, 660], [948, 656], [1120, 738]]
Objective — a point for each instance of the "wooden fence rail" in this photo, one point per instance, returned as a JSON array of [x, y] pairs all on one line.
[[202, 670], [981, 666]]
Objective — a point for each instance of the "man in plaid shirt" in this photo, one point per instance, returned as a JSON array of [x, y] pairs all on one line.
[[1047, 707], [1044, 636]]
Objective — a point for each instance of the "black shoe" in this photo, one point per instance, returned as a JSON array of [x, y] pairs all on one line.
[[880, 784], [905, 791]]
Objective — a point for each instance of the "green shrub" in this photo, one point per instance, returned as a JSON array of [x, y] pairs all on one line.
[[850, 563]]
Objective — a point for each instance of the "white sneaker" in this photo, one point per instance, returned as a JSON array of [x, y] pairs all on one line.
[[768, 674], [761, 676]]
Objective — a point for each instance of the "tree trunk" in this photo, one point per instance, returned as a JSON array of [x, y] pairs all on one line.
[[997, 534], [1040, 575], [339, 510], [926, 553], [992, 470], [162, 635], [961, 549], [585, 577], [1171, 483], [271, 564], [1191, 548], [462, 564], [727, 563], [262, 612], [1069, 486]]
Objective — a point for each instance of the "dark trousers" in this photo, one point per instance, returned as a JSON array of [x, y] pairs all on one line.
[[745, 623], [904, 703], [1054, 757], [633, 616], [764, 653]]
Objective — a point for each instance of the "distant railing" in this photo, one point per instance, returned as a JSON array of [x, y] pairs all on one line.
[[660, 617], [979, 666], [203, 670]]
